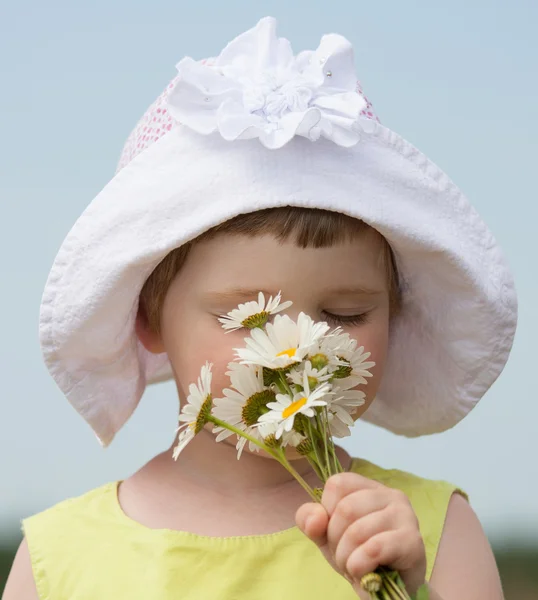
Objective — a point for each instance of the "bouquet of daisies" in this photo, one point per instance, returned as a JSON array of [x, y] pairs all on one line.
[[292, 384]]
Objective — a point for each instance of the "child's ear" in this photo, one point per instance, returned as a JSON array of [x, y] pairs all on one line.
[[151, 340]]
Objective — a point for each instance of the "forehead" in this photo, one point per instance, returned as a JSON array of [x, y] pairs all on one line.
[[264, 263]]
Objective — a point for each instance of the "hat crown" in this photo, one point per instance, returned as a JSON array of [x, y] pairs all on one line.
[[257, 84]]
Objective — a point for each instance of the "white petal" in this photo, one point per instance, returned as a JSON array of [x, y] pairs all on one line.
[[226, 433], [288, 423], [282, 306], [240, 445], [184, 438], [343, 415]]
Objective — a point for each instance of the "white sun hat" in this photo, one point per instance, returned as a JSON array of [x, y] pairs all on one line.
[[254, 128]]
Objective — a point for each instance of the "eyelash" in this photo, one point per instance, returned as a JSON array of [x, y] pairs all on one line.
[[348, 320], [351, 320]]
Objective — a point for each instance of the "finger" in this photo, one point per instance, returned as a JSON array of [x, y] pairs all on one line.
[[358, 533], [343, 484], [312, 519], [353, 507], [388, 548]]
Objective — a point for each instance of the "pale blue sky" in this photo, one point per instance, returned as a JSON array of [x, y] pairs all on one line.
[[458, 79]]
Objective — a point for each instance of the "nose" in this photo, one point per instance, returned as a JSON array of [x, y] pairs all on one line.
[[299, 307]]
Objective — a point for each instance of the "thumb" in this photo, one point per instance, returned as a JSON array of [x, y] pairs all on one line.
[[312, 519]]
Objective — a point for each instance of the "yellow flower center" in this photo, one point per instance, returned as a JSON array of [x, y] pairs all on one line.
[[289, 352], [371, 582], [312, 382], [257, 320], [319, 361], [293, 407], [204, 414], [256, 406]]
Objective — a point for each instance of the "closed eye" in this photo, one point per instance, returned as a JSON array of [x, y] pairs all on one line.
[[344, 319]]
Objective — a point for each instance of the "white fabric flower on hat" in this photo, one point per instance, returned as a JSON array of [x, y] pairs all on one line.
[[257, 88], [254, 313]]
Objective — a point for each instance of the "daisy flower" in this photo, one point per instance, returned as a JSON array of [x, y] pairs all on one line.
[[283, 343], [339, 423], [254, 313], [288, 438], [338, 342], [244, 404], [315, 376], [355, 365], [343, 406], [331, 346], [195, 414], [285, 409]]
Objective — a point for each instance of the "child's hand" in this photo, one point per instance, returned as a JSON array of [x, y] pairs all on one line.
[[362, 524]]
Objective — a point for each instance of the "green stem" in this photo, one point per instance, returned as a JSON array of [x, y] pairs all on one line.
[[278, 454], [313, 463], [314, 438], [385, 595], [395, 589], [242, 433], [322, 429], [337, 465], [332, 456], [287, 388], [304, 484]]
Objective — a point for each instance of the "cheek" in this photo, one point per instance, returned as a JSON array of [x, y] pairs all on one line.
[[374, 337], [204, 342]]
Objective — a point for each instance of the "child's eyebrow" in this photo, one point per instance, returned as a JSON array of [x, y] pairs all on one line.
[[239, 293], [243, 293], [355, 291]]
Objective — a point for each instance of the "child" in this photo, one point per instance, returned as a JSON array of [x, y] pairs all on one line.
[[261, 171]]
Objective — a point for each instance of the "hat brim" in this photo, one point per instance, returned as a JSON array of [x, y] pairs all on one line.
[[448, 345]]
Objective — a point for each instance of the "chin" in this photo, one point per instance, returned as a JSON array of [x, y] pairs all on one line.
[[291, 453]]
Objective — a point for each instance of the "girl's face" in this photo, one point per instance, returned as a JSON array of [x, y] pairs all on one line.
[[345, 285]]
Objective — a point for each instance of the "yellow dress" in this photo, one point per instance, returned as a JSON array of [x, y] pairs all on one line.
[[86, 548]]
